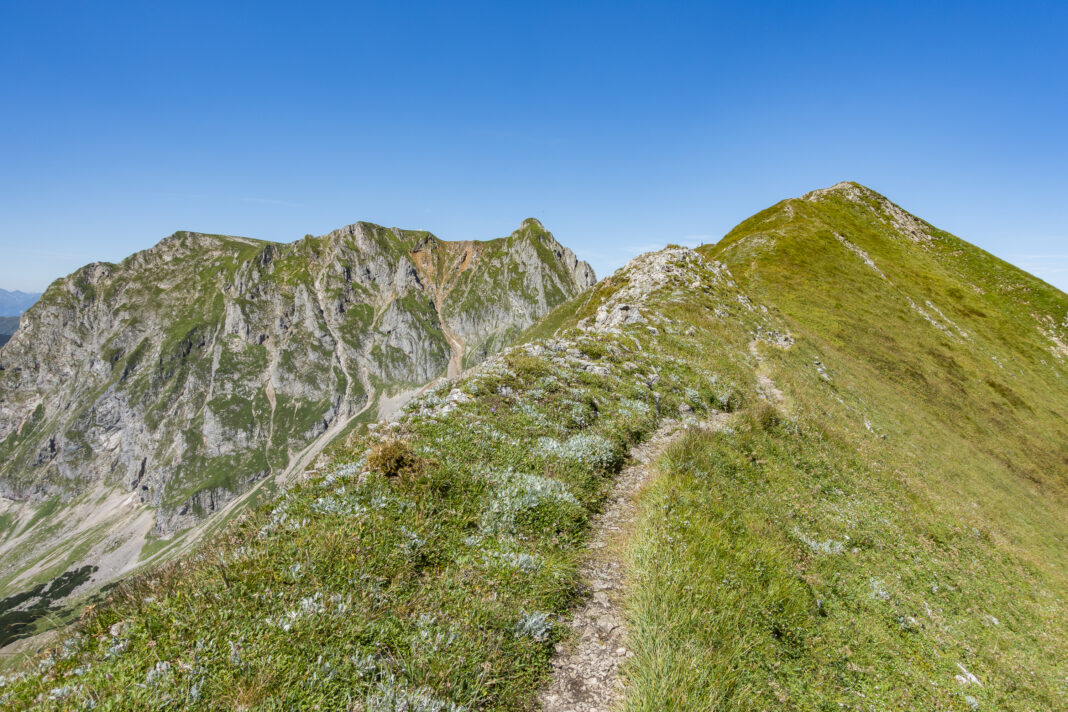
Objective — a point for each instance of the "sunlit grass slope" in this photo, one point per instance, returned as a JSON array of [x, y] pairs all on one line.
[[897, 537]]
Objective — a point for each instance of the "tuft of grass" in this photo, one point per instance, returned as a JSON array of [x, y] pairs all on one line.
[[528, 366], [396, 458], [763, 415]]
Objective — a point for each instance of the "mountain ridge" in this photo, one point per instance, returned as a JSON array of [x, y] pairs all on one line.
[[191, 373], [876, 521]]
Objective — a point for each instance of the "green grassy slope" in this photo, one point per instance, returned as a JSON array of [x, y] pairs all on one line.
[[905, 523], [882, 525]]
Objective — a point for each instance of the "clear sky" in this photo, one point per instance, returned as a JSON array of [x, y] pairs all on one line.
[[622, 126]]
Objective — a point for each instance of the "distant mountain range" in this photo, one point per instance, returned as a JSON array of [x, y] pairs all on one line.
[[8, 324], [14, 303]]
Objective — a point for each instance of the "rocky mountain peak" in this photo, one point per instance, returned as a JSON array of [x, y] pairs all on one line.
[[848, 189], [190, 372], [581, 272]]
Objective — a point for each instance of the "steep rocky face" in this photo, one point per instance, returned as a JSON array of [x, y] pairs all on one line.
[[488, 308], [193, 369]]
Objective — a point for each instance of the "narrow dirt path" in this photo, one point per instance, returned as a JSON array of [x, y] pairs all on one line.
[[764, 383], [585, 672]]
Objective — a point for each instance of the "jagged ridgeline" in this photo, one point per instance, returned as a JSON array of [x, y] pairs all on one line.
[[864, 509], [191, 370]]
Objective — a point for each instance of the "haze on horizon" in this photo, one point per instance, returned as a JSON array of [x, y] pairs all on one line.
[[621, 126]]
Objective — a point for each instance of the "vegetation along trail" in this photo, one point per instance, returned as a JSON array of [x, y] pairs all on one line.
[[585, 672]]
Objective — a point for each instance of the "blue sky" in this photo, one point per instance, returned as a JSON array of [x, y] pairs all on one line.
[[622, 126]]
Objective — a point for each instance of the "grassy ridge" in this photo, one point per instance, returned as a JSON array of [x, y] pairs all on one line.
[[904, 524], [779, 569]]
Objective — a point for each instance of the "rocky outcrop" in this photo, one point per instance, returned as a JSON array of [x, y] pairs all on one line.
[[191, 370], [523, 277], [673, 267]]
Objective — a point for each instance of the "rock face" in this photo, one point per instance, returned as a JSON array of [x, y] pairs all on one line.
[[193, 369]]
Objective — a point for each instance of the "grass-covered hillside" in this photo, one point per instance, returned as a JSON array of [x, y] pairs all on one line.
[[881, 525], [895, 536]]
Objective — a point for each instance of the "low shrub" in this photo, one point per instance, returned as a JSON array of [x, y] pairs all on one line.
[[395, 458], [763, 415], [526, 366]]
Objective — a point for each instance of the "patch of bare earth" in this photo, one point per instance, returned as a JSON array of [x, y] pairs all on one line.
[[586, 669]]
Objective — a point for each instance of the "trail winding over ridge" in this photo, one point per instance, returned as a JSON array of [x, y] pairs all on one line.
[[586, 670]]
